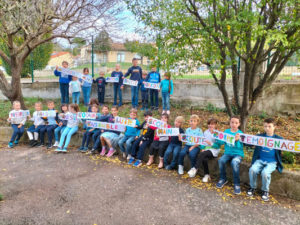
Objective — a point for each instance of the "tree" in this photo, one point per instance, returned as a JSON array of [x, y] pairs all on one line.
[[143, 49], [25, 25], [102, 42], [219, 34], [77, 43]]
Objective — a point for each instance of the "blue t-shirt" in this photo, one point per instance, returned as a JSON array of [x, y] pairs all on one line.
[[132, 131], [267, 154], [193, 132], [164, 85], [118, 74], [153, 77], [141, 84]]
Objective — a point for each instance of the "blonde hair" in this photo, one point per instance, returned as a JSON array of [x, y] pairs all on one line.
[[133, 111], [16, 102], [38, 103], [195, 117], [180, 119]]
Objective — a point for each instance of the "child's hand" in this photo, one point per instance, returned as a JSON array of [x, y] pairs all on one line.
[[92, 130], [237, 137], [122, 87], [29, 117], [191, 148], [8, 119], [56, 67], [35, 127], [208, 142], [136, 137], [102, 131], [123, 77], [179, 137], [20, 125], [141, 143]]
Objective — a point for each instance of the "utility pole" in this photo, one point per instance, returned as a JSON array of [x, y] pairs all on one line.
[[92, 56]]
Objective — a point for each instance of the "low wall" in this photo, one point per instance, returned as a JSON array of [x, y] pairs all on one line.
[[286, 184]]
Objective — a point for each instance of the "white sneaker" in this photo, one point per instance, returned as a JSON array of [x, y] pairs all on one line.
[[56, 144], [192, 172], [128, 157], [168, 112], [124, 155], [206, 178], [180, 170], [163, 112]]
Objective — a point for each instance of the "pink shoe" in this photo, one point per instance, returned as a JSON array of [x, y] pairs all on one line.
[[103, 151], [111, 152]]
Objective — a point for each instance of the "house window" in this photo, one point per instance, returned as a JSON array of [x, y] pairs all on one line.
[[121, 57]]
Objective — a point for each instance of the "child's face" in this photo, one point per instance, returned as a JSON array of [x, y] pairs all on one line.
[[85, 72], [146, 117], [114, 112], [65, 65], [153, 69], [166, 77], [144, 76], [105, 110], [101, 74], [165, 119], [72, 110], [38, 107], [50, 105], [118, 67], [234, 123], [211, 126], [269, 128], [94, 109], [17, 106], [74, 78], [132, 115], [193, 123], [177, 123], [134, 62], [64, 108]]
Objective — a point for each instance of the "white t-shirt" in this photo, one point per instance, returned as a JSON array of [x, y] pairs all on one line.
[[37, 120], [209, 136]]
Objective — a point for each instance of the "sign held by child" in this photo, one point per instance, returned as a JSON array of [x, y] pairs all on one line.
[[149, 85], [125, 121], [167, 132], [156, 123], [130, 82], [86, 115], [106, 126], [19, 114], [112, 79]]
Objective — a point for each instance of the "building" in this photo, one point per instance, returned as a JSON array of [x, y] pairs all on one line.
[[57, 58]]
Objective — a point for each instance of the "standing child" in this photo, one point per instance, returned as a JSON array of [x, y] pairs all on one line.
[[61, 125], [175, 146], [190, 148], [208, 152], [72, 128], [144, 91], [265, 161], [118, 86], [75, 90], [154, 77], [17, 125], [100, 81], [64, 80], [38, 124], [166, 91], [233, 154], [131, 134], [86, 87], [159, 144]]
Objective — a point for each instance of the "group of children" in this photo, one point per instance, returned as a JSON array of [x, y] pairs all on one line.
[[135, 140]]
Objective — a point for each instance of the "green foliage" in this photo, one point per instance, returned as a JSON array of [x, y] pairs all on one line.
[[263, 115], [143, 49], [211, 108], [288, 157], [102, 42], [1, 197]]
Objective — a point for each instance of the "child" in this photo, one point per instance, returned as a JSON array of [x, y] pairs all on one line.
[[175, 146], [118, 86], [208, 152], [265, 161], [159, 144], [93, 101], [190, 148], [64, 80], [144, 91], [139, 145], [110, 138], [131, 134], [86, 87], [136, 74], [17, 125], [61, 125], [75, 90], [100, 81], [38, 123], [166, 91], [233, 154], [154, 77], [50, 126], [72, 128]]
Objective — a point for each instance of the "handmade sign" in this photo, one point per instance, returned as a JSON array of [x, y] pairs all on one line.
[[48, 113], [125, 121], [19, 114], [156, 123], [112, 79], [230, 139], [130, 82], [152, 85], [87, 115], [196, 140], [68, 116], [106, 126], [167, 132], [273, 143], [65, 72]]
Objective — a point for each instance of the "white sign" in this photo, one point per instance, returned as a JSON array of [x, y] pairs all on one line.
[[20, 113], [152, 85], [105, 126], [130, 82], [125, 121], [112, 79], [49, 113], [66, 71], [167, 132], [86, 115], [156, 123]]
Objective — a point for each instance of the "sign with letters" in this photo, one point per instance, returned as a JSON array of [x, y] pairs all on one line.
[[152, 85], [130, 82], [106, 126], [125, 121]]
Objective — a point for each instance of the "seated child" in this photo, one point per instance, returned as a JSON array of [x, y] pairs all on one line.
[[61, 125], [131, 134], [159, 144], [17, 125], [175, 146], [265, 161], [38, 123], [208, 152], [93, 101], [232, 154]]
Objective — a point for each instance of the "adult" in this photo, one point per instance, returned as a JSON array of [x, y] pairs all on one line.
[[86, 87], [64, 80]]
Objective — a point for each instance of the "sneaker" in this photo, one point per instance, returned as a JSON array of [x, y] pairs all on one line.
[[128, 157], [64, 150], [85, 149], [56, 144], [103, 151], [79, 149], [221, 183], [237, 189], [111, 152], [192, 172], [250, 192], [131, 160], [124, 155], [206, 178], [35, 143], [180, 170], [265, 196], [137, 163], [168, 112], [49, 146], [58, 149], [10, 145], [168, 167], [156, 108], [93, 152], [16, 142], [40, 144], [30, 143], [163, 112]]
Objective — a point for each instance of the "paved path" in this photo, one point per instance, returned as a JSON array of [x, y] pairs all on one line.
[[47, 188]]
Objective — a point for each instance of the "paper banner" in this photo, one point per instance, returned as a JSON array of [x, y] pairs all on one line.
[[86, 115], [130, 82], [221, 136], [167, 132], [156, 123], [73, 73], [125, 121], [19, 114], [152, 85], [50, 113], [68, 116], [105, 126], [196, 140], [112, 79]]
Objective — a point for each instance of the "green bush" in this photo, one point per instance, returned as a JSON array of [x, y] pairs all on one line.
[[211, 108], [1, 197], [288, 157]]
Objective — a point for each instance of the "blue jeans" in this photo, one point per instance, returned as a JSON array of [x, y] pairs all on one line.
[[154, 98], [32, 128], [67, 134], [263, 168], [174, 150], [64, 92], [128, 140], [58, 130], [87, 138], [235, 162], [75, 97], [145, 97], [135, 96], [117, 90], [18, 132], [165, 100], [49, 129], [86, 91], [192, 155], [101, 95], [96, 138], [137, 150]]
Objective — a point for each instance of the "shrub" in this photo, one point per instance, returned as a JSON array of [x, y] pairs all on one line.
[[288, 157]]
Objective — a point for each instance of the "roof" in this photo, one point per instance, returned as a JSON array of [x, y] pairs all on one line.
[[57, 54], [114, 47]]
